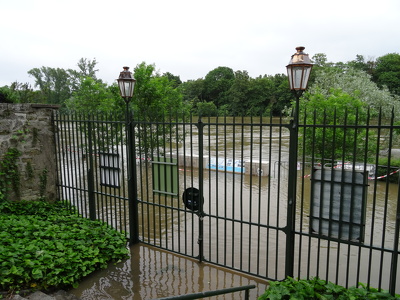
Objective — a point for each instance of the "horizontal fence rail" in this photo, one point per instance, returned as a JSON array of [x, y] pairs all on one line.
[[216, 189], [212, 293]]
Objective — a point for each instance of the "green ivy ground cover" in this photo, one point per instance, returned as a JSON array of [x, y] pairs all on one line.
[[316, 288], [43, 245]]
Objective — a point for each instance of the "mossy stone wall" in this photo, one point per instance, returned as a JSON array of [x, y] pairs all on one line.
[[29, 129]]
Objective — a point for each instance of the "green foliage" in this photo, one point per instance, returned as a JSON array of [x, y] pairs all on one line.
[[7, 95], [217, 84], [387, 72], [355, 83], [341, 142], [42, 245], [175, 80], [92, 95], [316, 288], [54, 84], [207, 109], [237, 94], [344, 94], [156, 99], [155, 96], [19, 93], [9, 173]]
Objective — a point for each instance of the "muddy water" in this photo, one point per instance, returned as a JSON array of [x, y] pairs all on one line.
[[151, 273]]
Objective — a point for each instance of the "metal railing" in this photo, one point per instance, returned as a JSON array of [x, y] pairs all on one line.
[[345, 218], [201, 295]]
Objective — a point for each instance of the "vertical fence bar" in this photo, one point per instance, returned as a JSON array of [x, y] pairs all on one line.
[[90, 174], [132, 181], [292, 190], [200, 126], [57, 143], [395, 254]]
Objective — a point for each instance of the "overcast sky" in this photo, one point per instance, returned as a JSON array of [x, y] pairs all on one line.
[[190, 38]]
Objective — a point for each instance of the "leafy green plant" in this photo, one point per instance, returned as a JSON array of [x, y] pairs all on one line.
[[43, 245], [316, 288], [345, 141]]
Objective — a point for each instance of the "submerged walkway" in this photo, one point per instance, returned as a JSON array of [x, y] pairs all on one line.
[[152, 273]]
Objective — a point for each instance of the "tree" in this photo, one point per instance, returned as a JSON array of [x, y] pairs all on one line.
[[387, 72], [206, 109], [155, 95], [155, 100], [192, 93], [239, 94], [19, 93], [7, 95], [94, 96], [175, 79], [57, 85], [279, 94], [343, 142], [360, 64], [86, 69], [356, 83], [54, 84], [320, 60], [343, 96], [217, 84]]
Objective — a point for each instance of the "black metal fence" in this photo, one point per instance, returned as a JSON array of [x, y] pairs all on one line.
[[217, 189]]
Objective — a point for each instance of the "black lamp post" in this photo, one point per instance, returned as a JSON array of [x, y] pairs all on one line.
[[126, 84], [299, 69]]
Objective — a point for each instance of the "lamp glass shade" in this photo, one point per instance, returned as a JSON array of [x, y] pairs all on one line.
[[126, 87]]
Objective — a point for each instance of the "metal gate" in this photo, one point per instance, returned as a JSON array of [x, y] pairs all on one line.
[[219, 189]]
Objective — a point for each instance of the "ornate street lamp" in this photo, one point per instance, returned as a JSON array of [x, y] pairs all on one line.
[[126, 84], [298, 70]]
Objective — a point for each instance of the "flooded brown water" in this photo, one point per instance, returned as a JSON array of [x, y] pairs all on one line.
[[151, 273]]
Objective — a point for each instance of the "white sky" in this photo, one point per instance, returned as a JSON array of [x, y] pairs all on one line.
[[190, 38]]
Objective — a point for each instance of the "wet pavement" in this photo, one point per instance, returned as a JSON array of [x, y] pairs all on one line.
[[151, 273]]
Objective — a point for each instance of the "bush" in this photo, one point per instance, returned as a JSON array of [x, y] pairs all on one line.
[[42, 245], [316, 288]]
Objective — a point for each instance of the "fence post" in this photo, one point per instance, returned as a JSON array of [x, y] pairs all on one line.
[[292, 189], [132, 180], [200, 127], [393, 271], [395, 260], [92, 201]]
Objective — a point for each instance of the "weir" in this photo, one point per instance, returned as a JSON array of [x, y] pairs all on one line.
[[252, 167]]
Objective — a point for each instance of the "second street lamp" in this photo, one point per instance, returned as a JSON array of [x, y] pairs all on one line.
[[299, 70], [126, 84]]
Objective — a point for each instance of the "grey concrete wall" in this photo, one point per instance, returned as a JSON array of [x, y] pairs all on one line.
[[29, 129]]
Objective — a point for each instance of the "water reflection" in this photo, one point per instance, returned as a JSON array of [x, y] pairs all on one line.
[[151, 273]]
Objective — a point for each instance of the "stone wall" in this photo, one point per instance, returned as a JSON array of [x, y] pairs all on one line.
[[29, 129]]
